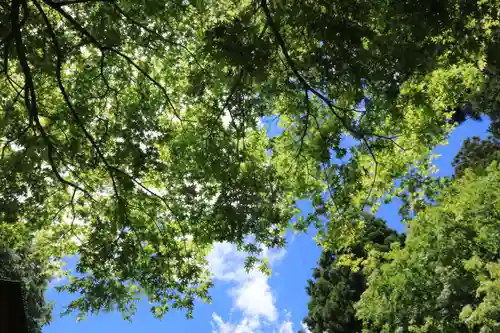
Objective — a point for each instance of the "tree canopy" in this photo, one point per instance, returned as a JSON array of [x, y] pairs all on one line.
[[476, 154], [132, 134], [446, 278], [335, 288], [443, 278]]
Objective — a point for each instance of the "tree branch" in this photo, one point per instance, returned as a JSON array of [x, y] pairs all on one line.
[[306, 85], [111, 169], [306, 126], [158, 35], [8, 142], [101, 47], [60, 84], [70, 2], [30, 95], [294, 69]]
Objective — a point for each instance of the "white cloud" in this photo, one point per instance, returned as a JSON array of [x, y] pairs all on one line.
[[251, 292], [305, 328], [254, 297], [250, 325], [246, 325], [226, 263], [286, 327]]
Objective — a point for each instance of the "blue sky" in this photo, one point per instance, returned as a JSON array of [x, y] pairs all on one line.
[[247, 302]]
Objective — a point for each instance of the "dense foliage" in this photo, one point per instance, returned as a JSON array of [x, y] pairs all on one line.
[[476, 154], [112, 152], [444, 278], [335, 288], [131, 134], [24, 267]]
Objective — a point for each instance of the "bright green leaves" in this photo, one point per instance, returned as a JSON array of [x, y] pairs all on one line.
[[337, 286], [146, 145], [451, 254], [486, 313], [145, 174], [405, 110]]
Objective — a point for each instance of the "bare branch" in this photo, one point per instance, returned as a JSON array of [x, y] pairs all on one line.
[[235, 86], [102, 76], [6, 64], [18, 93], [375, 174], [64, 206], [392, 139]]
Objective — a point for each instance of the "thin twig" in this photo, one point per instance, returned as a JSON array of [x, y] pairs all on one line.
[[8, 142], [294, 69], [306, 85]]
